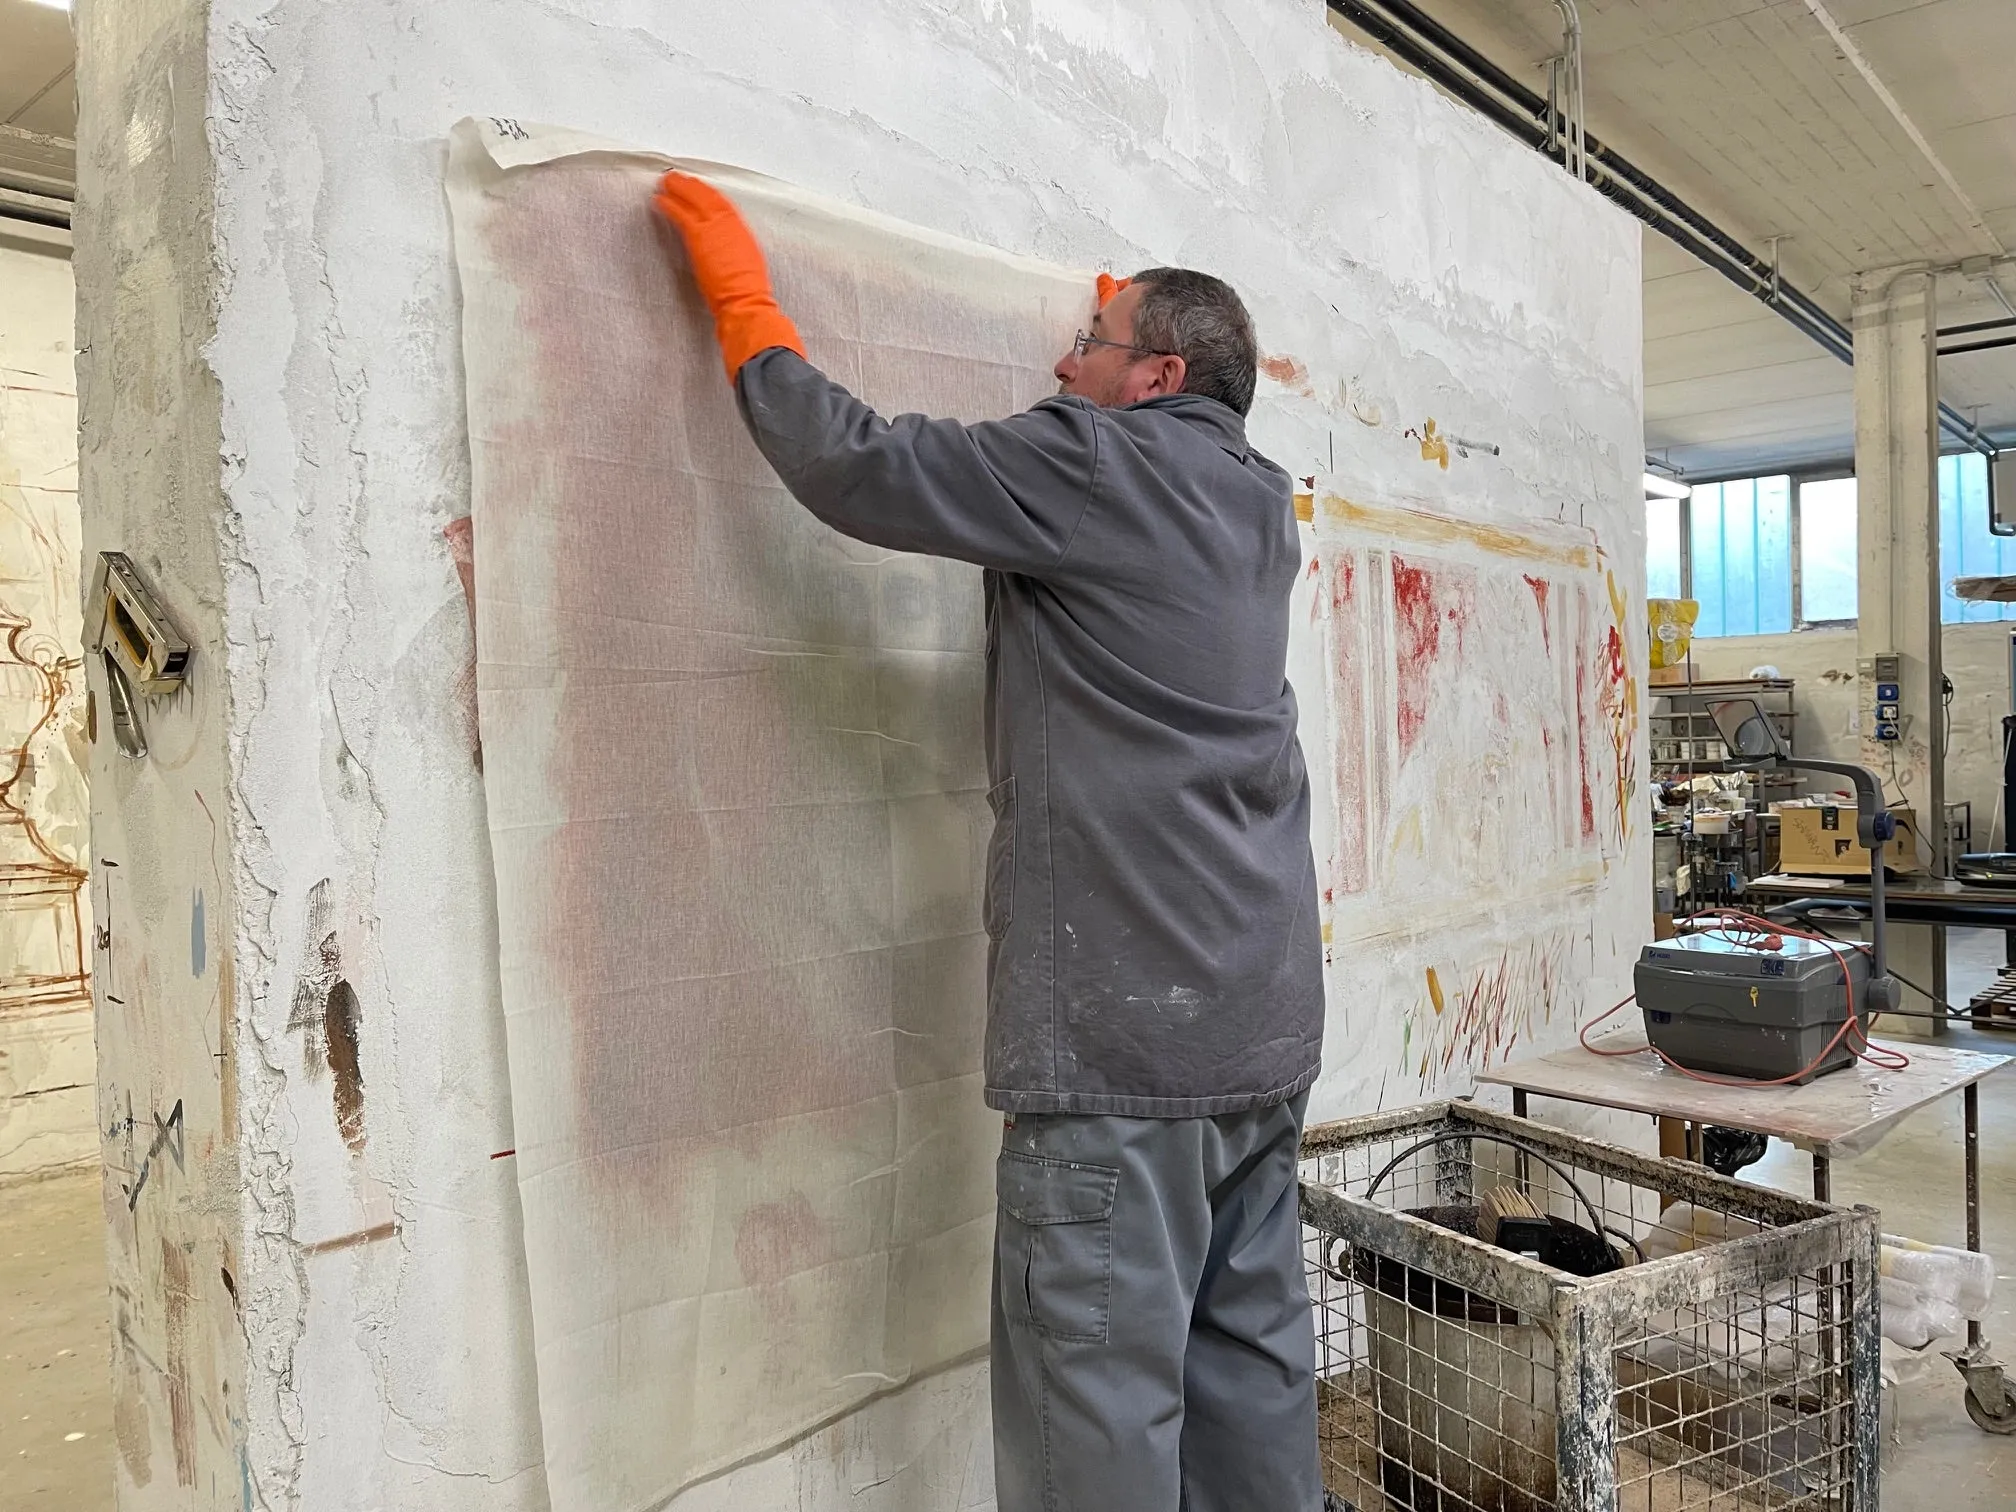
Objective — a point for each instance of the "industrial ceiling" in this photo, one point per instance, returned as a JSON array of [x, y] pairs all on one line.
[[38, 112], [1850, 135]]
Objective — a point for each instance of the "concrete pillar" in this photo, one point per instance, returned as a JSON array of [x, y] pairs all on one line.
[[318, 1298], [1896, 467]]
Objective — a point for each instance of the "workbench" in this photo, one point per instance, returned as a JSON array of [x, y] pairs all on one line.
[[1838, 1116], [1907, 900]]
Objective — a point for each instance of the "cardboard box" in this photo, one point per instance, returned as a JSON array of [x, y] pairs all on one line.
[[1672, 677], [1820, 842]]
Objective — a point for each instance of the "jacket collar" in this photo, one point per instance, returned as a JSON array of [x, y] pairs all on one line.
[[1216, 420]]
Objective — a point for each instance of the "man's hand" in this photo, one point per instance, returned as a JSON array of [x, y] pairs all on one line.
[[728, 266]]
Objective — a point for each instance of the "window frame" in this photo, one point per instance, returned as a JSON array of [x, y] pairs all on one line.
[[1686, 512], [1832, 474], [1799, 477]]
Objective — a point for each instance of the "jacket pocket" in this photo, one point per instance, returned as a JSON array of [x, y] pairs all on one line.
[[1054, 1237], [998, 909]]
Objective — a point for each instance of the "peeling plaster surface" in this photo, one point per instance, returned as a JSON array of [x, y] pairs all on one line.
[[265, 234], [46, 1113], [177, 1214]]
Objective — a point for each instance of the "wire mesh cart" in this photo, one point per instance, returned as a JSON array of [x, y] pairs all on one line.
[[1837, 1117], [1660, 1338]]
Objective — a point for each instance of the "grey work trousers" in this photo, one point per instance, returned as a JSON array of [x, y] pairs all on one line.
[[1153, 1347]]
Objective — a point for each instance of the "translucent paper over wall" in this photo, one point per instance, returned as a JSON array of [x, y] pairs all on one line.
[[737, 810]]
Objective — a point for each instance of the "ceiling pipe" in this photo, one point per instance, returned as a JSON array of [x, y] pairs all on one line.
[[42, 209], [1575, 150], [1978, 346], [1976, 325], [1447, 60]]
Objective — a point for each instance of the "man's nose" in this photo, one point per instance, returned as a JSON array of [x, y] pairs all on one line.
[[1067, 367]]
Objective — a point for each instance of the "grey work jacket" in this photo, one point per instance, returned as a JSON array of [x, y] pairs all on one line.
[[1150, 892]]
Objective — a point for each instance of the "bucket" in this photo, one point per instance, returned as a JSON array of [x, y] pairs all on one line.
[[1463, 1389]]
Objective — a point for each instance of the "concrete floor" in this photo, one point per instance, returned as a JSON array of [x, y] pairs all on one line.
[[55, 1404], [55, 1372], [1938, 1461]]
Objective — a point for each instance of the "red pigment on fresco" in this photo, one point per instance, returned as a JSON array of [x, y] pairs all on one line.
[[689, 1027], [461, 536], [1582, 745], [777, 1240], [1540, 587], [1423, 603], [1285, 370], [1348, 700]]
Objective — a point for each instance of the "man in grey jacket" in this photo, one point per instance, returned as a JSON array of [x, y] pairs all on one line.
[[1155, 1002]]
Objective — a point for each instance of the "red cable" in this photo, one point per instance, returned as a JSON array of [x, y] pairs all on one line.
[[1750, 929]]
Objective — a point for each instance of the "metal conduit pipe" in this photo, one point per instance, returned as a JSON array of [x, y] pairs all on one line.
[[1576, 146], [41, 209], [1523, 114], [1976, 325], [1447, 60], [1399, 14]]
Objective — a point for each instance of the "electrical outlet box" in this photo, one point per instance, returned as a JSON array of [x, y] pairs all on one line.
[[1886, 712], [1888, 667], [1886, 693], [1886, 729]]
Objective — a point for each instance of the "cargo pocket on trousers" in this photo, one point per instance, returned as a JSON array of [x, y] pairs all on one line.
[[998, 906], [1055, 1236]]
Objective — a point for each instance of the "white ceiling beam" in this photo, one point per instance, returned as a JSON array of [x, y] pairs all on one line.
[[1986, 237], [36, 138]]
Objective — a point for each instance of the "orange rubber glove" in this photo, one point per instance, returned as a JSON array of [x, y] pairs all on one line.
[[728, 266], [1109, 286]]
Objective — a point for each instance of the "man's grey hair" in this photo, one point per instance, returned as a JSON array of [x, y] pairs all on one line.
[[1202, 320]]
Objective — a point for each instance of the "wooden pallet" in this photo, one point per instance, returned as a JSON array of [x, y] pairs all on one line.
[[1995, 1007]]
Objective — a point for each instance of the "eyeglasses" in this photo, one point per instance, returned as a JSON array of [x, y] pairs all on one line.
[[1087, 339]]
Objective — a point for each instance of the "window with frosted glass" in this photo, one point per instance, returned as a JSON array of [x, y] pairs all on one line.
[[1967, 548], [1827, 550], [1662, 548], [1740, 540]]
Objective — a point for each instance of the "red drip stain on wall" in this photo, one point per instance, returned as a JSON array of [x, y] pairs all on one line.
[[777, 1240], [1349, 699], [340, 1015], [1422, 607], [461, 536], [1582, 744], [1493, 1007], [175, 1299], [1540, 587], [1285, 370]]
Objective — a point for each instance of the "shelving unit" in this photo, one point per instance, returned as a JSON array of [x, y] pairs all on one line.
[[1684, 744]]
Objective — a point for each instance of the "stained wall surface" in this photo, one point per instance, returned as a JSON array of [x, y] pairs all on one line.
[[274, 418], [47, 1119]]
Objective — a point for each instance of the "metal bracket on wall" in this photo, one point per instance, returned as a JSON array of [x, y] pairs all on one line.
[[144, 655]]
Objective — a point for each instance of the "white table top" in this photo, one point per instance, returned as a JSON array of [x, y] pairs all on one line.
[[1840, 1115]]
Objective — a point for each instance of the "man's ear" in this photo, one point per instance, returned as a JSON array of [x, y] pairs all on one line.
[[1170, 373]]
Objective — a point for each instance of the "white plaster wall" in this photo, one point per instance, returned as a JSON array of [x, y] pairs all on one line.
[[272, 287], [47, 1119]]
